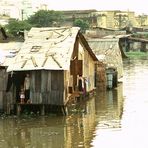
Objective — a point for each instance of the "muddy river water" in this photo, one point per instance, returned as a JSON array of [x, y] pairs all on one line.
[[114, 119]]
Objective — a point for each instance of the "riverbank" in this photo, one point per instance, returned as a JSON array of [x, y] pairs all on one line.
[[137, 55]]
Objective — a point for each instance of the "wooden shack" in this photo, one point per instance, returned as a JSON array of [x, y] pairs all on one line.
[[109, 53], [60, 63]]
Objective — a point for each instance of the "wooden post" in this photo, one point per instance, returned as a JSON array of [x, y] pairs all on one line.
[[18, 107], [64, 110], [43, 110], [8, 109]]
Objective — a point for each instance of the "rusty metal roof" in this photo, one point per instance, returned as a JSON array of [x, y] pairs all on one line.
[[108, 52]]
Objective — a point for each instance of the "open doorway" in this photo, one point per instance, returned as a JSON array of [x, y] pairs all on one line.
[[17, 81]]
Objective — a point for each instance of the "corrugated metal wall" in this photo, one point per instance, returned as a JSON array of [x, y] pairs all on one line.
[[47, 87], [3, 83]]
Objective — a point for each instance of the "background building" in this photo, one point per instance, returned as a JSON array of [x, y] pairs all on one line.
[[18, 9], [113, 19]]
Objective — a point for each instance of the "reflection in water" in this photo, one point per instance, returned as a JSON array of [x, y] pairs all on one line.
[[39, 133], [76, 130], [116, 118], [109, 108], [133, 132]]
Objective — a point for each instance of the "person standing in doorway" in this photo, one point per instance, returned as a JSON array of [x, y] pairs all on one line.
[[27, 87]]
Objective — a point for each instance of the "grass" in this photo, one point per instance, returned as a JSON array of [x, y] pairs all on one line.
[[137, 54]]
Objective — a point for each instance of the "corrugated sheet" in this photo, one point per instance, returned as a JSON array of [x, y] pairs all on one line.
[[10, 46], [117, 36], [46, 48], [8, 51], [108, 51]]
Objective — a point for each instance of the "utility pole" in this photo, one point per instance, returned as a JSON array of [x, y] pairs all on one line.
[[22, 14]]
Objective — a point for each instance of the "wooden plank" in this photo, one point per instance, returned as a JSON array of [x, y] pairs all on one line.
[[44, 78], [34, 61], [49, 97], [44, 97], [44, 61], [56, 98], [49, 81], [1, 83], [76, 47], [72, 69], [38, 81], [57, 80], [24, 63], [56, 61], [79, 67], [76, 67], [1, 99]]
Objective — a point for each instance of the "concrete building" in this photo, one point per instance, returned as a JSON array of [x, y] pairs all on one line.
[[142, 20], [115, 19], [19, 9]]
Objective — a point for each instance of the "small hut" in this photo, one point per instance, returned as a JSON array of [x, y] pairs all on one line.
[[60, 63], [108, 51]]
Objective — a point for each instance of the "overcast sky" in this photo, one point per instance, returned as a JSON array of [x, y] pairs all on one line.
[[139, 6]]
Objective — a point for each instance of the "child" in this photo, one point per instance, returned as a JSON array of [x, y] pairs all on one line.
[[27, 87], [22, 95]]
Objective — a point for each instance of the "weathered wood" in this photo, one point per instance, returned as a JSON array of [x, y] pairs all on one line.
[[32, 81], [76, 67], [44, 61], [58, 77], [3, 79], [76, 47], [38, 81], [1, 99], [44, 78], [34, 61], [18, 109], [48, 87], [49, 81], [56, 61], [24, 63], [43, 110]]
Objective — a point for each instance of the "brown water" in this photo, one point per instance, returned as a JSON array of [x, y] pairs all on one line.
[[112, 119]]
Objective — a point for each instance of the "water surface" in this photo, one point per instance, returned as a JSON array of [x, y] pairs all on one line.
[[116, 118]]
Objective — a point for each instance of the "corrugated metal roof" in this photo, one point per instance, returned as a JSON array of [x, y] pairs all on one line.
[[108, 51], [8, 51], [46, 48], [10, 46], [117, 36]]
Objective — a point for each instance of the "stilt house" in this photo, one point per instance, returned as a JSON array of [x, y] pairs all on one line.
[[108, 51], [60, 64]]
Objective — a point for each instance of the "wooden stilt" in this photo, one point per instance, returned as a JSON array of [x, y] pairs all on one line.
[[43, 110], [18, 107], [64, 110], [8, 109]]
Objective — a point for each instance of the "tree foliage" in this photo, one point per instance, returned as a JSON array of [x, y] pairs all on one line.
[[84, 25], [45, 18], [15, 26]]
